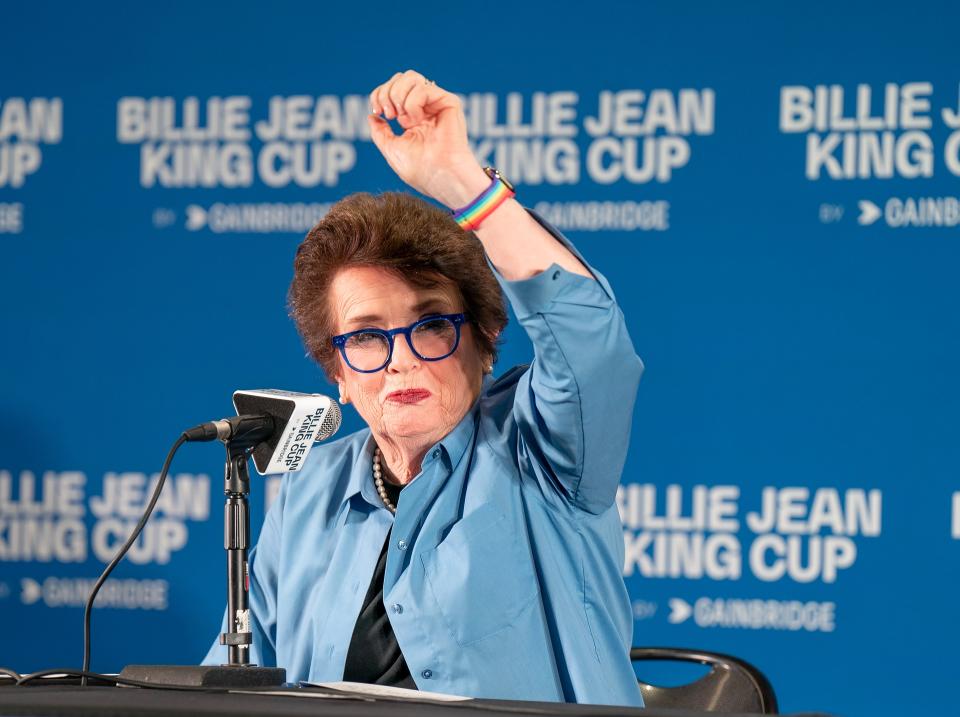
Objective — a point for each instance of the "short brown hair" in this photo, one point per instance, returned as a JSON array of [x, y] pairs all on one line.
[[400, 233]]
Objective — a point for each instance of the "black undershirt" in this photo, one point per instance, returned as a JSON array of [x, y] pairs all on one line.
[[374, 655]]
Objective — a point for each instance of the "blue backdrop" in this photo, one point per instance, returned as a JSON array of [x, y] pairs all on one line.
[[772, 192]]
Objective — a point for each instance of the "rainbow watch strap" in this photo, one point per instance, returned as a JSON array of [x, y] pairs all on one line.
[[471, 216]]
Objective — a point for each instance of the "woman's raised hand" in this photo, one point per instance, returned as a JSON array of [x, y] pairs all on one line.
[[432, 154]]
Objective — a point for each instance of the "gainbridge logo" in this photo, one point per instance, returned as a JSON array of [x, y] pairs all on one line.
[[897, 212], [754, 614]]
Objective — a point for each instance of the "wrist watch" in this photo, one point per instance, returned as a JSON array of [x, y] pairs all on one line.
[[501, 189], [495, 175]]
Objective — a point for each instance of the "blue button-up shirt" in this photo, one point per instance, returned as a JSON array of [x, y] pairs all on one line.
[[503, 575]]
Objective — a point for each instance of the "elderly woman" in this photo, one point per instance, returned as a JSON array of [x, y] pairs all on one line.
[[467, 540]]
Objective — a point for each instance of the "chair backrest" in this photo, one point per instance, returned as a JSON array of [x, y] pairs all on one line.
[[732, 685]]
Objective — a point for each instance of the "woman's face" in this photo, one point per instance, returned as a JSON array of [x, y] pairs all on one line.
[[410, 399]]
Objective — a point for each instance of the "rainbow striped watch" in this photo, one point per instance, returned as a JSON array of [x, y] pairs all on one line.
[[471, 216]]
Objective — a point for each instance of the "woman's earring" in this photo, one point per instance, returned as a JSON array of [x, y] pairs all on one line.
[[344, 399]]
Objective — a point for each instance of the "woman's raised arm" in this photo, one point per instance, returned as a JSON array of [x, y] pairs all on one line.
[[573, 407]]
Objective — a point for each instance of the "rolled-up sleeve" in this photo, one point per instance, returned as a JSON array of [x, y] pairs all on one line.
[[574, 406]]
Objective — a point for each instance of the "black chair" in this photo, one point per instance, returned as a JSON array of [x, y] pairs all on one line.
[[732, 685]]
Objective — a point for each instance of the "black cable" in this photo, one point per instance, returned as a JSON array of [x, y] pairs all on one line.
[[116, 559], [115, 679]]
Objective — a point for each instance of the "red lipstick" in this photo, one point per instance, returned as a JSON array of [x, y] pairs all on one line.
[[409, 395]]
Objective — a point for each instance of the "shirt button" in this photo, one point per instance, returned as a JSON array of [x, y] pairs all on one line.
[[397, 608], [427, 674], [436, 454], [402, 544]]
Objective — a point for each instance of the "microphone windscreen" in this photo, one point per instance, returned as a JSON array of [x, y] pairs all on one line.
[[331, 422]]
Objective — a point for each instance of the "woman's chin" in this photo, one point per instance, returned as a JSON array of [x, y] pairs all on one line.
[[411, 430], [407, 423]]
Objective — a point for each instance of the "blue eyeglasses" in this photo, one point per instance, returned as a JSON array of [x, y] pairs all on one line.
[[430, 339]]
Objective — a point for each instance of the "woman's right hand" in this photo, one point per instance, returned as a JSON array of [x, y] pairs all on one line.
[[432, 155]]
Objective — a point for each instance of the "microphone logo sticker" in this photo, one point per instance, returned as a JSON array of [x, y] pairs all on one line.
[[303, 440]]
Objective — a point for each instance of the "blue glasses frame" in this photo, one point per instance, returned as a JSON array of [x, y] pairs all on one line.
[[456, 319]]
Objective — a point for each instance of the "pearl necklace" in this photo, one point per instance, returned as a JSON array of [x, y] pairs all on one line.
[[378, 481]]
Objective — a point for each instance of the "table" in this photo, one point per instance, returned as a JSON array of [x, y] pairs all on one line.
[[69, 699]]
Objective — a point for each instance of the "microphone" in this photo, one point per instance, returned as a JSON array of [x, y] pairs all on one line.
[[285, 425]]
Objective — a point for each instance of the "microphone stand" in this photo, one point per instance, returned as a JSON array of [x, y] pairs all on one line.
[[238, 672]]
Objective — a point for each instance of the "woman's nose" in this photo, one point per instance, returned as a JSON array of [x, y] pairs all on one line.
[[402, 358]]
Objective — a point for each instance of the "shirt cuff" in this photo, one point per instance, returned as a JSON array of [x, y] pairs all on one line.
[[534, 295]]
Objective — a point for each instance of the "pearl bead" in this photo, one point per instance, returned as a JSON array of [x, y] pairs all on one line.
[[378, 481]]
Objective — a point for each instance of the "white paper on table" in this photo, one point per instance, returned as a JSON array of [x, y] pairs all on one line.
[[291, 693], [385, 691]]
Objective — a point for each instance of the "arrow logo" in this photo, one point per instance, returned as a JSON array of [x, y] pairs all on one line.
[[680, 610], [31, 591], [869, 212], [196, 217]]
